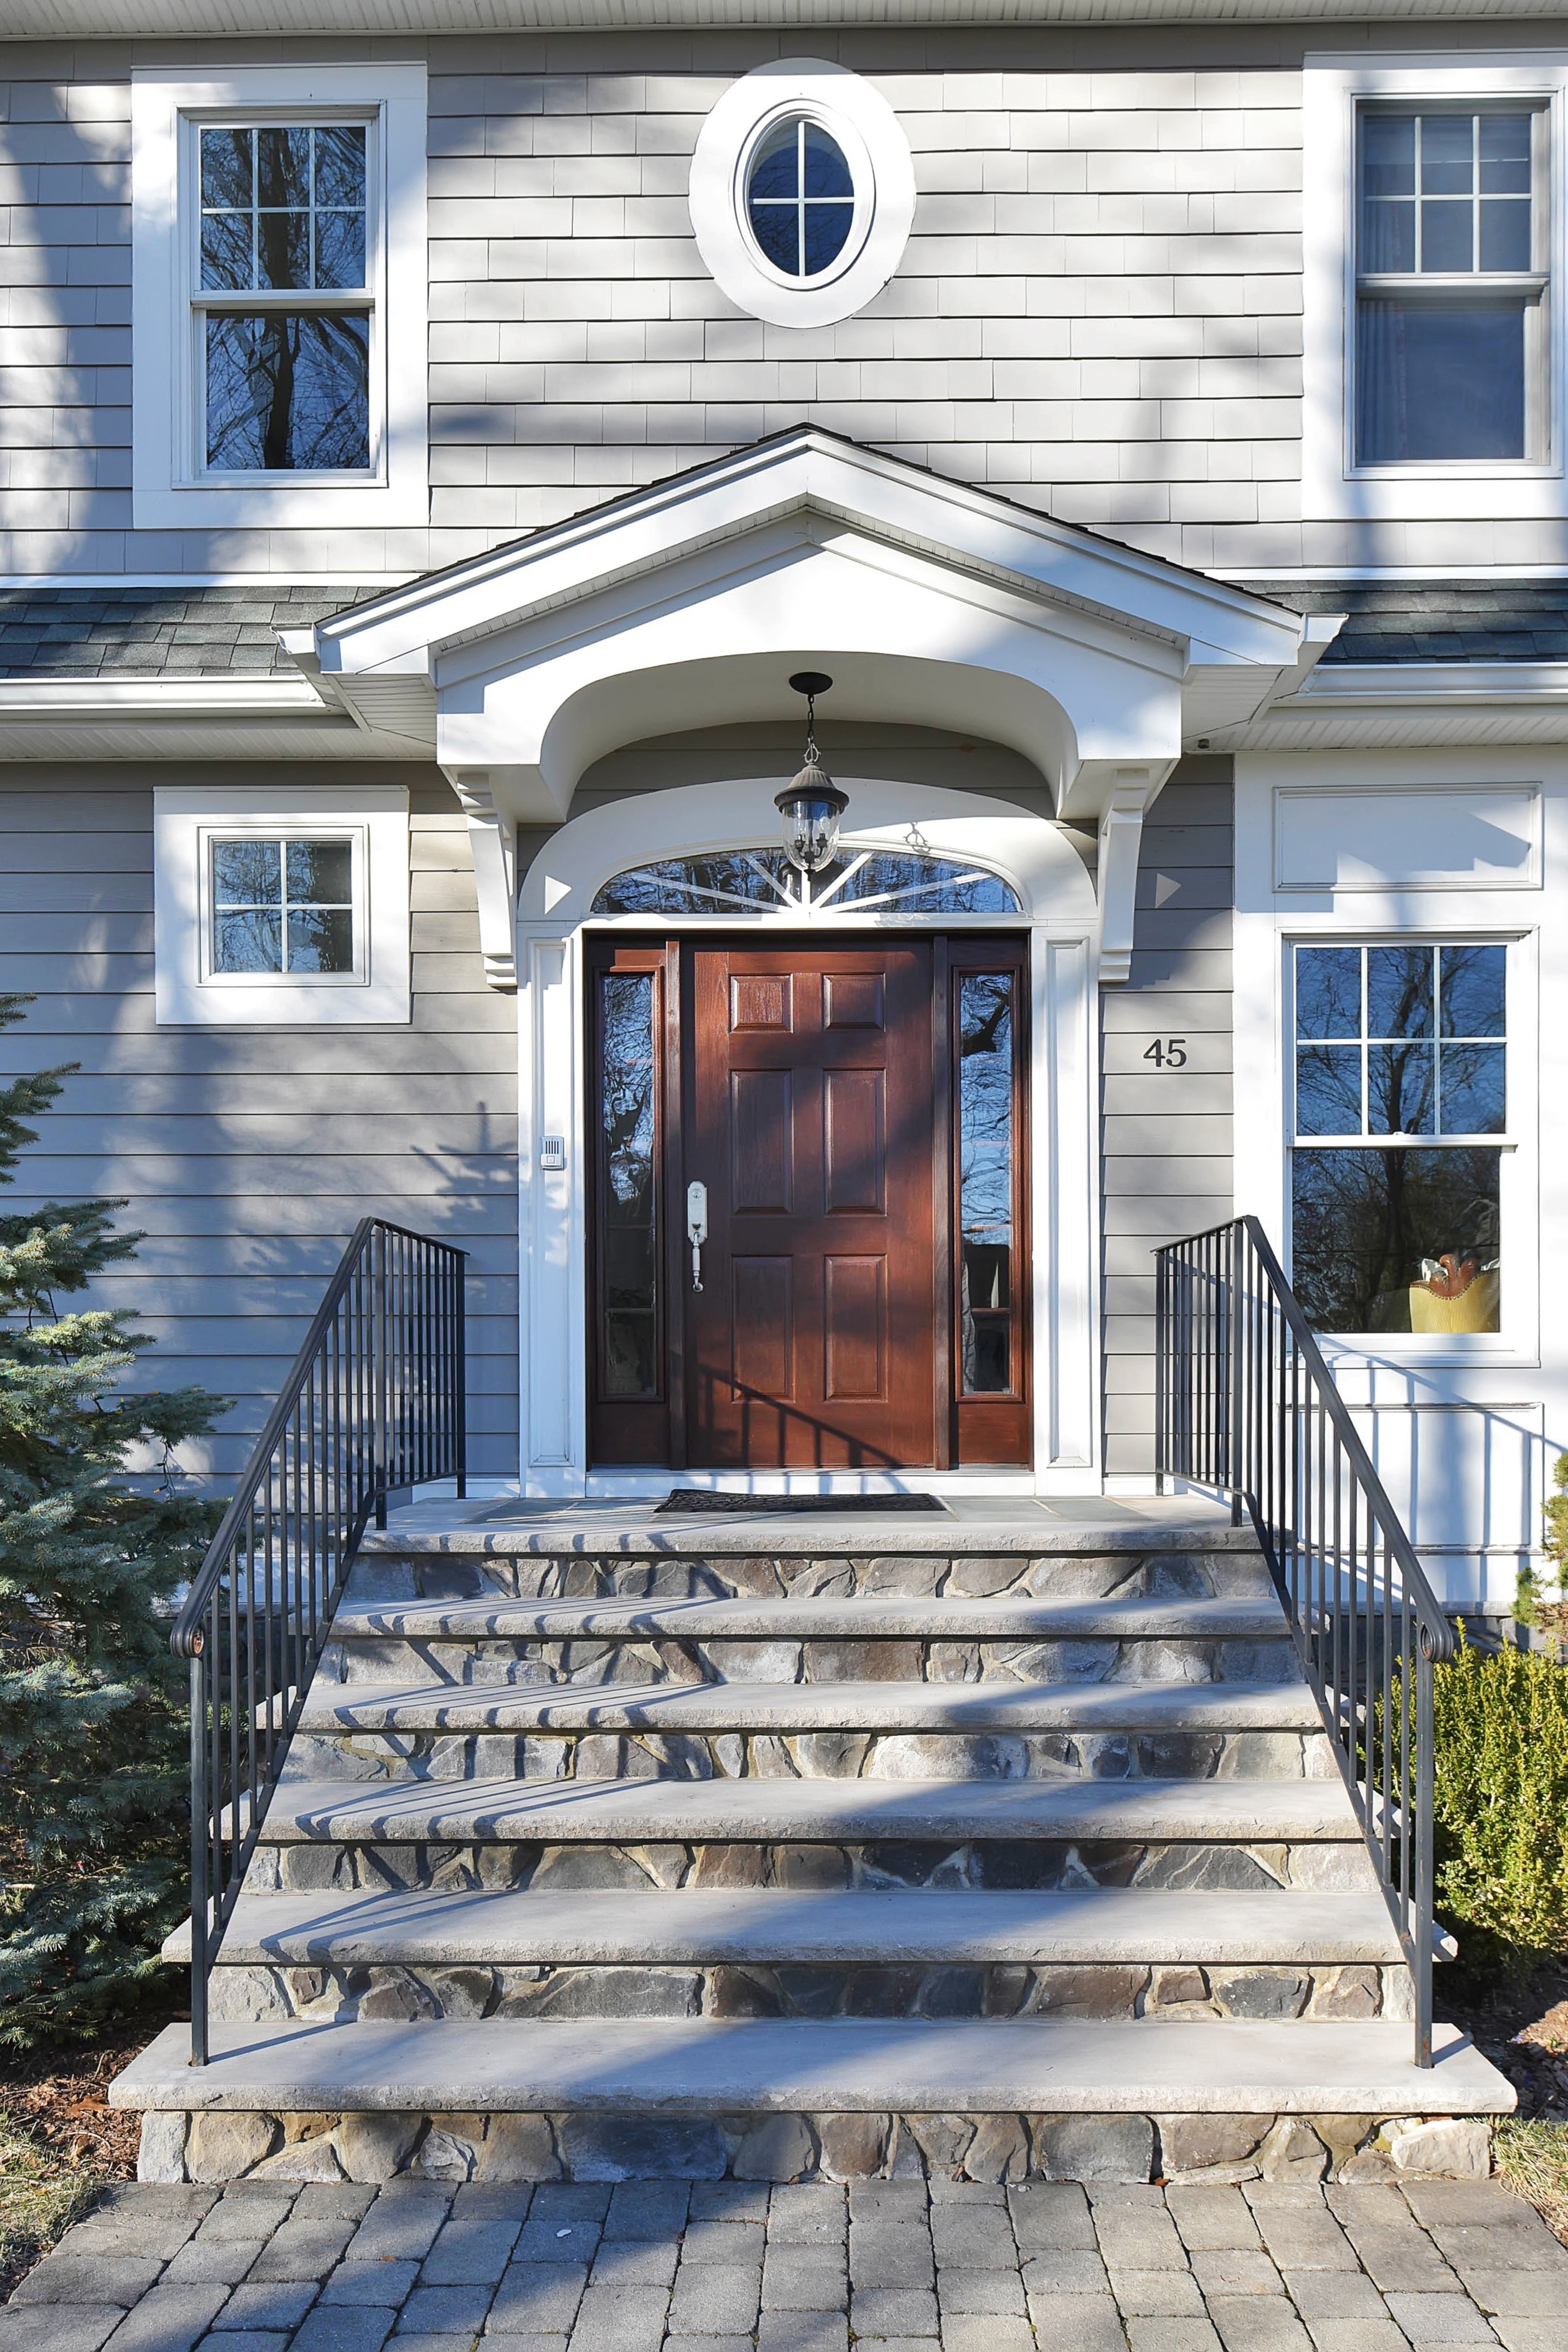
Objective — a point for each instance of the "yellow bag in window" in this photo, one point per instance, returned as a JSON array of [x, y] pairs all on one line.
[[1454, 1295]]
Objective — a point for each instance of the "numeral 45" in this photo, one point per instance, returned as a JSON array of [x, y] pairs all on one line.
[[1167, 1053]]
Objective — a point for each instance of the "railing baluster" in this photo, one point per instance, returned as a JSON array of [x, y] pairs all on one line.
[[1245, 1405], [374, 1399]]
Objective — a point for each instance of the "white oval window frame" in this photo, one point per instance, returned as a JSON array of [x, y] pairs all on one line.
[[880, 165]]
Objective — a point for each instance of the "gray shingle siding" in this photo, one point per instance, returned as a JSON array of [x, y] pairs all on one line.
[[1165, 1134], [247, 1156]]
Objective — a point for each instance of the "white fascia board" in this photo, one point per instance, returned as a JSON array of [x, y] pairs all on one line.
[[1433, 683], [162, 698], [966, 527]]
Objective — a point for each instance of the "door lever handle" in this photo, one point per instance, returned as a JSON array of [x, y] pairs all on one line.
[[697, 1228]]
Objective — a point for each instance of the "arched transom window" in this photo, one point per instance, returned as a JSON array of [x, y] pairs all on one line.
[[763, 881]]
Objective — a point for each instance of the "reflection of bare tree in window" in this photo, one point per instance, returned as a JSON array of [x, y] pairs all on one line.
[[628, 1125], [986, 1180], [1369, 1225], [763, 880]]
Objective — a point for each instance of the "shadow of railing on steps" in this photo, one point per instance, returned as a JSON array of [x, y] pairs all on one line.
[[1245, 1405]]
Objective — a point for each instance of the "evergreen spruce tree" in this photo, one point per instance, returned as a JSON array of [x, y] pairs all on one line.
[[93, 1745]]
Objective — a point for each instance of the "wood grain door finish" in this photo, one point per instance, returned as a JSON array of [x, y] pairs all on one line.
[[811, 1119]]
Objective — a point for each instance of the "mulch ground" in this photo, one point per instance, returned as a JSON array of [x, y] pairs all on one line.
[[62, 2135]]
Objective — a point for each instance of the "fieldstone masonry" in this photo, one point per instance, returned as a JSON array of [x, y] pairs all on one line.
[[730, 2266]]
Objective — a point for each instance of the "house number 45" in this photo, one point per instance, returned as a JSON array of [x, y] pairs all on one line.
[[1168, 1053]]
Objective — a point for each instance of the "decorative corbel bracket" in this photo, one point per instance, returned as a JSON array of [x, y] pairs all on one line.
[[493, 837], [1121, 840]]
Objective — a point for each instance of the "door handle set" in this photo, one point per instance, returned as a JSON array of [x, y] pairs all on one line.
[[697, 1228]]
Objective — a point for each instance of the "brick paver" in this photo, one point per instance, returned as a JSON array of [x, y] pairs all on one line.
[[733, 2266]]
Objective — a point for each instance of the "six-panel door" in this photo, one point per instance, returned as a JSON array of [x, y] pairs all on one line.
[[810, 1116]]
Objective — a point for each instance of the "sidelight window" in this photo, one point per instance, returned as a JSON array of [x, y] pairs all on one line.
[[985, 1154], [1401, 1119], [628, 1125]]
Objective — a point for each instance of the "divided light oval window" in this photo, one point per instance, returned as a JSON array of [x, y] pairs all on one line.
[[802, 193], [800, 197]]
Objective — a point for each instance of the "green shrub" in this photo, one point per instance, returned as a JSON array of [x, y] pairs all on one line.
[[1501, 1808]]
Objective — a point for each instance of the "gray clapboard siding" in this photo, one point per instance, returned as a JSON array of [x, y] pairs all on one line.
[[1166, 1134], [245, 1157]]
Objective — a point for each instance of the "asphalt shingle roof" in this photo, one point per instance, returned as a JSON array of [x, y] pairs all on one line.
[[135, 632], [76, 633], [1443, 621]]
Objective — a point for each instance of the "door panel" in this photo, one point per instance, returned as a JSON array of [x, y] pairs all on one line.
[[810, 1116], [855, 1323], [761, 1156], [855, 1141]]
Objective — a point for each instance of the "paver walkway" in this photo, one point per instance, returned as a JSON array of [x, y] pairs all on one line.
[[723, 2267]]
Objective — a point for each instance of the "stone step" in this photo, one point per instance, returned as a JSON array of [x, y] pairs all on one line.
[[671, 1811], [702, 2067], [766, 1706], [874, 1617], [705, 1927], [964, 1529]]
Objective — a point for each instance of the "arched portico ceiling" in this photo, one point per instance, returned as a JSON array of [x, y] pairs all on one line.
[[688, 603]]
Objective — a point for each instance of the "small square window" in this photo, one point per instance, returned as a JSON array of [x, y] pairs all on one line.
[[1400, 1060], [282, 907], [1449, 346], [278, 910]]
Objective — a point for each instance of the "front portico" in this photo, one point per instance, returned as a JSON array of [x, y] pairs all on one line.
[[1086, 669]]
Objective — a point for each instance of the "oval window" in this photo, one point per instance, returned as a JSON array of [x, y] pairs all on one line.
[[800, 197]]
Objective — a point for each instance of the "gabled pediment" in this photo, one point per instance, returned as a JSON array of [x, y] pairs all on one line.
[[688, 604]]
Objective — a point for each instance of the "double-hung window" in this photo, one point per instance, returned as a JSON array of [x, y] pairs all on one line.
[[280, 309], [1452, 282], [282, 300], [1401, 1121]]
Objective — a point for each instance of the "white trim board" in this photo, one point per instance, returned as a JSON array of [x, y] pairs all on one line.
[[1059, 908], [170, 492]]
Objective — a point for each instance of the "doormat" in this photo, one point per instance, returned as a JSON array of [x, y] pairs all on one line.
[[699, 1499]]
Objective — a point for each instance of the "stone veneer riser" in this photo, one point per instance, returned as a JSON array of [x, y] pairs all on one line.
[[591, 1661], [432, 1575], [319, 1864], [1070, 1989], [590, 2146], [817, 1755]]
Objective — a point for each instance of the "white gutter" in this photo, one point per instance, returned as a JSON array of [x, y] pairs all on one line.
[[162, 698]]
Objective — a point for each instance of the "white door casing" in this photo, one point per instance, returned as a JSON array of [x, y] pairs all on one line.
[[1062, 918]]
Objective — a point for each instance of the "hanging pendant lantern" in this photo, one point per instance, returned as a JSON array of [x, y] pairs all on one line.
[[812, 805]]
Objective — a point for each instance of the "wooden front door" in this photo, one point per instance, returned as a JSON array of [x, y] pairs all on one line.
[[856, 1113], [812, 1341]]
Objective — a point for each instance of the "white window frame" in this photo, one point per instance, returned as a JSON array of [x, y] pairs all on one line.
[[874, 146], [1334, 488], [172, 488], [186, 822], [1268, 928]]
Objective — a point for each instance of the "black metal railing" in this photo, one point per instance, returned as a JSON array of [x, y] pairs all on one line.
[[1245, 1404], [374, 1403]]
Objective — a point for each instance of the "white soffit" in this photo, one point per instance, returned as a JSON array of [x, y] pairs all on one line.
[[65, 19], [1373, 705]]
